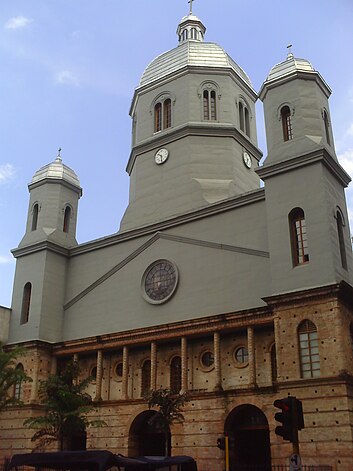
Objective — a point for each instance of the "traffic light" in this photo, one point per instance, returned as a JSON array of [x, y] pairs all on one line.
[[286, 430], [221, 443], [291, 417]]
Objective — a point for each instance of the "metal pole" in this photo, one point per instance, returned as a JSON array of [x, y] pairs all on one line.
[[226, 439]]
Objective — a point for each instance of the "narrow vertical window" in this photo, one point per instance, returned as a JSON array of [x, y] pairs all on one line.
[[209, 105], [206, 105], [17, 393], [158, 117], [273, 363], [26, 303], [327, 131], [67, 217], [286, 123], [340, 233], [241, 116], [298, 235], [193, 33], [247, 121], [167, 113], [35, 217], [175, 375], [309, 350], [145, 378]]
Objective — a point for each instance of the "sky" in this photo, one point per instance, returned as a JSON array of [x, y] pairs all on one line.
[[68, 70]]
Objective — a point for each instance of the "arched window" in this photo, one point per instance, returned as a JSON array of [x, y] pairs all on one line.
[[340, 232], [175, 375], [163, 115], [18, 385], [145, 378], [309, 350], [244, 118], [26, 303], [286, 123], [35, 217], [298, 235], [327, 131], [193, 33], [67, 217], [209, 105], [273, 363]]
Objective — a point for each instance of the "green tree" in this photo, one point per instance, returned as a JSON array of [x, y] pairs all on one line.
[[169, 411], [66, 406], [10, 376]]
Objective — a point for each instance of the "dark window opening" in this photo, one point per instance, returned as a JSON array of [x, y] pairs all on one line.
[[175, 375], [26, 303], [298, 234], [327, 131], [209, 105], [340, 232], [309, 350], [145, 378], [163, 115], [67, 217], [35, 217], [286, 123]]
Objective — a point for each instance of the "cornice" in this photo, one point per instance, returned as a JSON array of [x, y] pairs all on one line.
[[341, 291], [234, 202], [298, 74], [152, 240], [261, 316], [187, 69], [201, 129], [320, 155], [58, 181], [38, 247]]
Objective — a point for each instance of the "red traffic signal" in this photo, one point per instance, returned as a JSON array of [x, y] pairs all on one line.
[[291, 418], [285, 418]]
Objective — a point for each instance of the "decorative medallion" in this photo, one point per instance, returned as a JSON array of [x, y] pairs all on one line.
[[159, 281]]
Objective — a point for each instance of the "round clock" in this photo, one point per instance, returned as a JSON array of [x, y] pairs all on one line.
[[159, 281], [161, 156], [247, 159]]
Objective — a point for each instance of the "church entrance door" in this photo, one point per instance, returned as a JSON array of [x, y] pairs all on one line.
[[249, 439], [144, 439]]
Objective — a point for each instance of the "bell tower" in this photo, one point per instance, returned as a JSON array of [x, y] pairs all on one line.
[[308, 229], [39, 286], [194, 139]]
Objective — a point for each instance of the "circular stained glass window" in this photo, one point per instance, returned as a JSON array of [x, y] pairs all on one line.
[[160, 281]]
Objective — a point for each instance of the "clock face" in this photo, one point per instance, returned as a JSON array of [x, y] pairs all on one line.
[[247, 159], [160, 281], [161, 156]]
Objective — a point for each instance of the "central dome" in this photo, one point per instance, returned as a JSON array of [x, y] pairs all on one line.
[[191, 52]]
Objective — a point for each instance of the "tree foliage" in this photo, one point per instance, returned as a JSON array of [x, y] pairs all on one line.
[[10, 376], [169, 410], [66, 406]]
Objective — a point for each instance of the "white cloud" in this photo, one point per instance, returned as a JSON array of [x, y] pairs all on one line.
[[346, 160], [4, 260], [17, 22], [66, 77], [7, 171]]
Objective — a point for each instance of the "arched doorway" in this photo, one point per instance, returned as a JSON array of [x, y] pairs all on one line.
[[249, 439], [144, 438]]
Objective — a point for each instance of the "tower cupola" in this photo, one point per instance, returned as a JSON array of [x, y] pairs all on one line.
[[191, 28]]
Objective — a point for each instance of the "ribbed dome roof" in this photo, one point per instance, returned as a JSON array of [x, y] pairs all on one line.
[[289, 66], [57, 171], [192, 51]]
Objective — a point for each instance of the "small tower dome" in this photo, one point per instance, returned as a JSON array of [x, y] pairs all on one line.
[[290, 66], [56, 171]]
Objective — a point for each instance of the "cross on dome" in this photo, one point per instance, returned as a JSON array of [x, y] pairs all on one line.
[[190, 1]]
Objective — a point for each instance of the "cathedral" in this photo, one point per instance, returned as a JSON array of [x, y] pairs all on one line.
[[228, 279]]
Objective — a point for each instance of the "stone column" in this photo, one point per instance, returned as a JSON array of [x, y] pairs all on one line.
[[99, 375], [53, 365], [34, 375], [251, 353], [125, 392], [276, 325], [184, 364], [217, 360], [153, 383]]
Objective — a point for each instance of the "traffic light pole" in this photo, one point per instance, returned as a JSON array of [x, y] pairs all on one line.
[[295, 442], [227, 451]]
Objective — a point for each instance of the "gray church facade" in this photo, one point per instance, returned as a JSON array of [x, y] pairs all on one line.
[[235, 292]]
